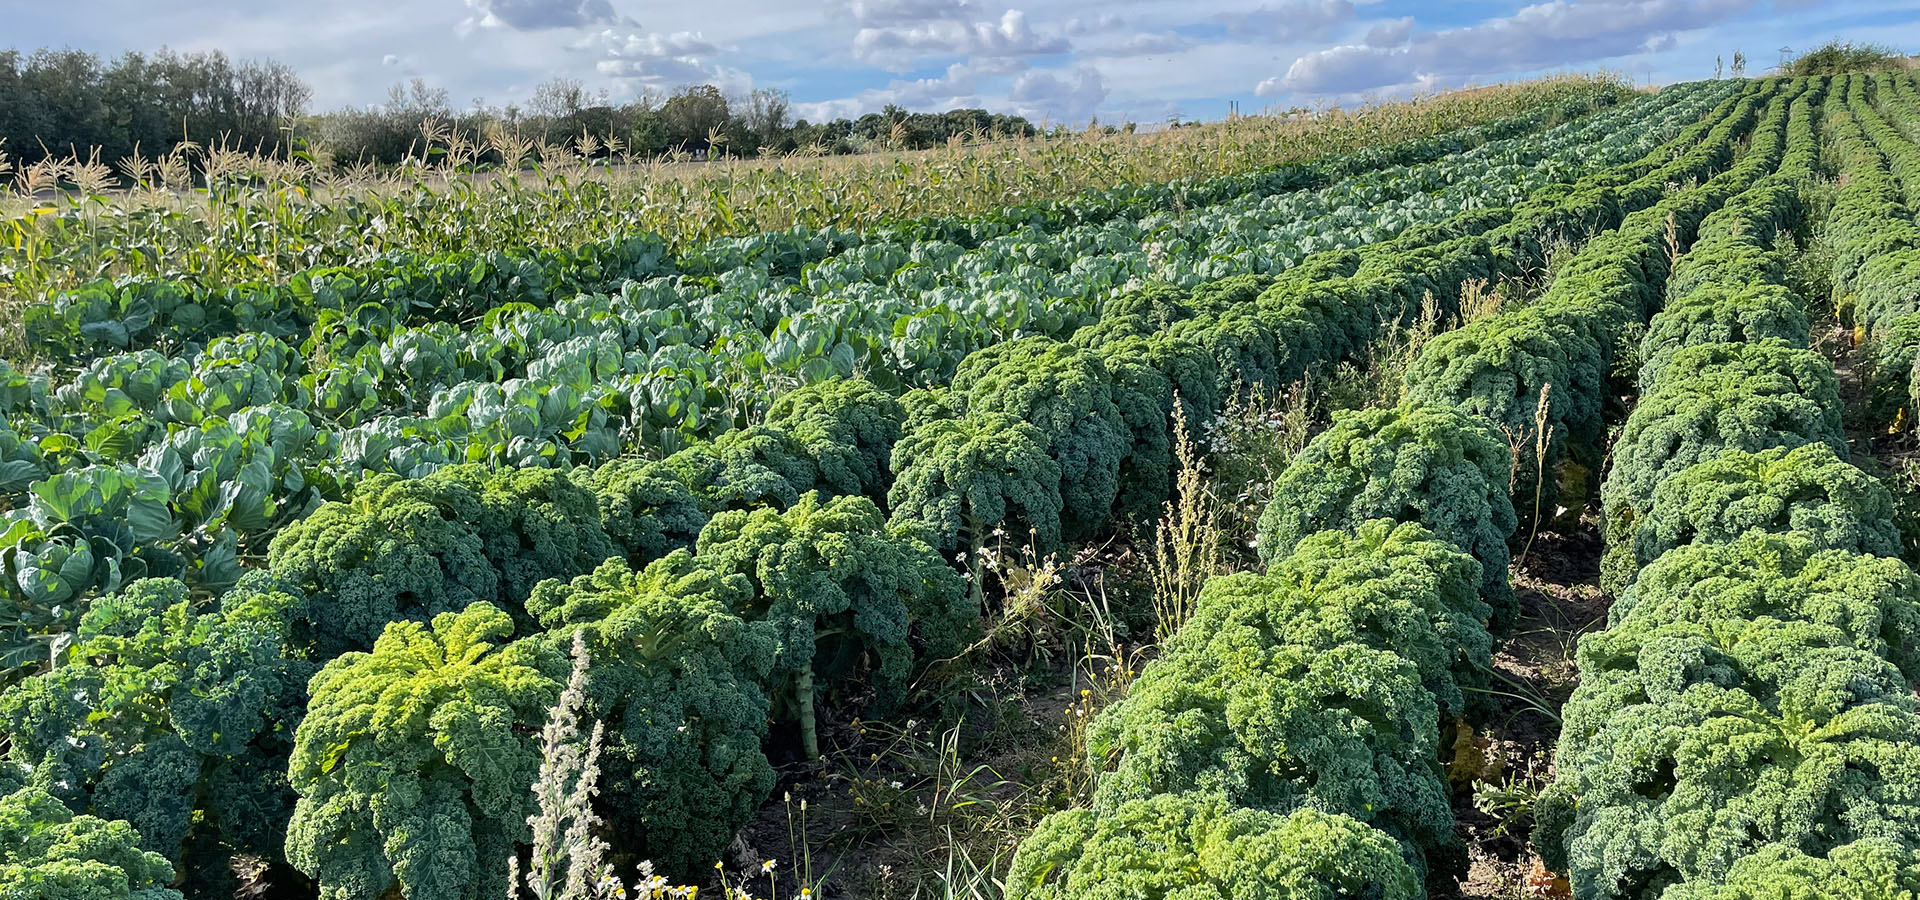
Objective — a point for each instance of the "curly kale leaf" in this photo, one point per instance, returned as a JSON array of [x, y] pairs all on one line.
[[409, 549], [676, 678], [1503, 368], [174, 717], [1430, 464], [961, 480], [1721, 313], [849, 427], [415, 762], [1793, 577], [1276, 707], [1689, 745], [1806, 489], [1713, 397], [1067, 394], [836, 583], [48, 853], [1200, 847], [744, 469], [1872, 869], [645, 508]]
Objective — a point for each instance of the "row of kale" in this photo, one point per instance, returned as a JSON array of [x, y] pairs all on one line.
[[458, 286], [1876, 271], [404, 757], [1746, 725], [1288, 736], [144, 465]]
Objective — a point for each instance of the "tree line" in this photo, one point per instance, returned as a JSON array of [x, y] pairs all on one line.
[[694, 119], [69, 102]]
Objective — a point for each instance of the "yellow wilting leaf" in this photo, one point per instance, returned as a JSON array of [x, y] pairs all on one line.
[[1471, 762], [1541, 883]]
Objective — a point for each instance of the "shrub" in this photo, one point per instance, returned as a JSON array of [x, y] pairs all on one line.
[[1841, 57]]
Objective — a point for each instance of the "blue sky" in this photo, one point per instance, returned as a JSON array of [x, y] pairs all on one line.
[[1055, 60]]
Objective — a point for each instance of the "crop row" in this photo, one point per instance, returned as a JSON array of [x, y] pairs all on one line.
[[459, 286], [687, 354], [1876, 242], [749, 576], [148, 465], [1745, 727], [1286, 741]]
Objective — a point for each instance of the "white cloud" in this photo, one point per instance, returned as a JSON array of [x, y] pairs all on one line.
[[1391, 33], [1154, 44], [1070, 98], [1104, 23], [884, 13], [806, 46], [957, 89], [1557, 33], [652, 60], [897, 48], [540, 15], [628, 44]]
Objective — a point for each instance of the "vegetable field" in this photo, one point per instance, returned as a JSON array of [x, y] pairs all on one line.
[[572, 534]]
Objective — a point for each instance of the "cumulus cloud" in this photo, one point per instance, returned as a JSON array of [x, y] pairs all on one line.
[[887, 13], [1104, 23], [1561, 32], [958, 88], [541, 15], [1391, 33], [1051, 96], [1291, 20], [897, 48], [629, 44], [655, 60]]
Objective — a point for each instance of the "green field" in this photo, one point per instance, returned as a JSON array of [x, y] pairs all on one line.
[[1500, 494]]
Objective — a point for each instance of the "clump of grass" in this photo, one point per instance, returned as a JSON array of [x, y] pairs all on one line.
[[569, 858], [1252, 441], [1186, 546]]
